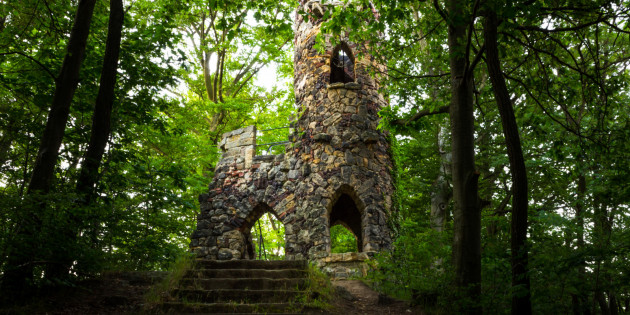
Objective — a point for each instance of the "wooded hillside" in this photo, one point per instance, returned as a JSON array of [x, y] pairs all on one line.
[[510, 130]]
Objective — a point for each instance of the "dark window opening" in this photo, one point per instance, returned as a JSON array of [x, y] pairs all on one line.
[[346, 213], [342, 65]]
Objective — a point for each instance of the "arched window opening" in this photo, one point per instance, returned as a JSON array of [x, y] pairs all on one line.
[[342, 240], [342, 64], [264, 235], [345, 213]]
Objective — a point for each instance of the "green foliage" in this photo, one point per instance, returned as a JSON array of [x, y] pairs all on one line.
[[144, 210], [231, 42], [271, 231], [417, 267], [162, 151], [566, 69], [570, 90], [319, 290], [342, 240]]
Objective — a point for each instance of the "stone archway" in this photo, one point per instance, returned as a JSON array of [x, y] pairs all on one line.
[[348, 210], [250, 223]]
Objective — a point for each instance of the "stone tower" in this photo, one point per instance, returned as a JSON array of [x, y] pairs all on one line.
[[336, 168]]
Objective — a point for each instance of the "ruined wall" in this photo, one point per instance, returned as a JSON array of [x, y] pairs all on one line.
[[336, 153]]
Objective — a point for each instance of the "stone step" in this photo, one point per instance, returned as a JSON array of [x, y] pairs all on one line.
[[235, 295], [230, 308], [243, 283], [245, 273], [251, 264]]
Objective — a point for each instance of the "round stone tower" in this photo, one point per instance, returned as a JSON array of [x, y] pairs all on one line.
[[336, 169], [337, 137]]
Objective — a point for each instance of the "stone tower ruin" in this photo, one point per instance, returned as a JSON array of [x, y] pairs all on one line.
[[336, 168]]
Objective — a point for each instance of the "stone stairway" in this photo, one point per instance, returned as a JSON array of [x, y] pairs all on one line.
[[240, 286]]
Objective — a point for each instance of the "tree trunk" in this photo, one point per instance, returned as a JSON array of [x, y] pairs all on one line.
[[521, 302], [441, 193], [601, 300], [7, 139], [580, 301], [602, 230], [19, 270], [101, 129], [65, 86], [101, 117], [614, 308], [467, 209]]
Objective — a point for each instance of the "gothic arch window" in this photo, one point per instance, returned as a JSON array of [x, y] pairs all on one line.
[[347, 211], [342, 64]]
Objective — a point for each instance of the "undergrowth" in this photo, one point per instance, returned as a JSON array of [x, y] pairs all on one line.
[[416, 270], [161, 292], [318, 292]]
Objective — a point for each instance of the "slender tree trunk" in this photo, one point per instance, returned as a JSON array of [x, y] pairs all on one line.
[[521, 301], [614, 308], [601, 300], [211, 92], [7, 139], [101, 128], [207, 76], [601, 236], [19, 269], [65, 86], [441, 193], [101, 117], [467, 210], [580, 304]]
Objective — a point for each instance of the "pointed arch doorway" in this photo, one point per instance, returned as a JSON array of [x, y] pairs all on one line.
[[264, 234], [347, 212]]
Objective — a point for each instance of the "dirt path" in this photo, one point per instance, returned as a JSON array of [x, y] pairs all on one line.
[[354, 297]]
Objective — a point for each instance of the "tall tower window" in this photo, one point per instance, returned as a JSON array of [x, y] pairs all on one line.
[[342, 64]]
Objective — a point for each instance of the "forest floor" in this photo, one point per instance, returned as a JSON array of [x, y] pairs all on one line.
[[124, 293], [112, 293]]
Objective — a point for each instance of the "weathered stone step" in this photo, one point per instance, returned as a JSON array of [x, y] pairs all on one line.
[[243, 283], [236, 295], [251, 264], [246, 273], [264, 308]]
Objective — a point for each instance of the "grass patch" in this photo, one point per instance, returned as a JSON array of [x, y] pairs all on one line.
[[160, 292], [318, 292]]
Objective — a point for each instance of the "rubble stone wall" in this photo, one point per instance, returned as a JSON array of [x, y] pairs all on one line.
[[335, 150]]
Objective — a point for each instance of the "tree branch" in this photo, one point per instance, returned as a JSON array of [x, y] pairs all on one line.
[[440, 10], [563, 29], [545, 109], [31, 59], [420, 114], [478, 58]]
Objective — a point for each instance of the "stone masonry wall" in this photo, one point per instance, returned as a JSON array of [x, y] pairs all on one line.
[[335, 150]]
